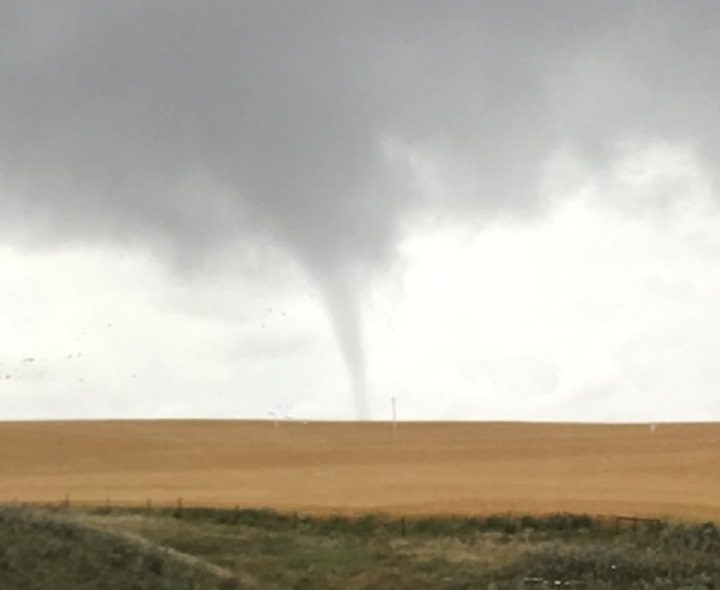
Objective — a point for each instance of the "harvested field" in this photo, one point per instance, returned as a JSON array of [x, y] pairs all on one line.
[[672, 470]]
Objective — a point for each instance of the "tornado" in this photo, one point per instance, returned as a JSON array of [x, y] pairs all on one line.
[[183, 126]]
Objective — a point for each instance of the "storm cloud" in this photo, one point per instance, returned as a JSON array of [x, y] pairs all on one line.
[[192, 123]]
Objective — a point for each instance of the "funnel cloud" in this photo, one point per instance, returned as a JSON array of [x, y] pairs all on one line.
[[187, 124]]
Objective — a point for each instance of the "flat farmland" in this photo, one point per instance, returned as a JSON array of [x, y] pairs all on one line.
[[672, 470]]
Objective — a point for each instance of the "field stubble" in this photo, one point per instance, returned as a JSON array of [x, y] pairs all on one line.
[[672, 470]]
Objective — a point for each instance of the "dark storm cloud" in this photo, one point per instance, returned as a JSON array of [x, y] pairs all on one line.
[[196, 122]]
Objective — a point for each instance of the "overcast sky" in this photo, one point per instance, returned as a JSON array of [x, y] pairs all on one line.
[[487, 209]]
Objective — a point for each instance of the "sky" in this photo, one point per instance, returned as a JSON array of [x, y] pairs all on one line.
[[487, 210]]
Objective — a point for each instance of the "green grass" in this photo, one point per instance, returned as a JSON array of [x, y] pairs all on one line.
[[39, 550], [261, 549]]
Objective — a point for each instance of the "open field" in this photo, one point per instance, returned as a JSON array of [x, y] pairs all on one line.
[[423, 468]]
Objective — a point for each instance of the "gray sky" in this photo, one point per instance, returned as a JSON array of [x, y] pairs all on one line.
[[487, 209]]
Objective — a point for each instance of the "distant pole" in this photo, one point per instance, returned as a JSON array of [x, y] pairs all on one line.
[[394, 414]]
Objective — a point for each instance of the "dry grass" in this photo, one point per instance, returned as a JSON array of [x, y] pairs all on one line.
[[425, 468]]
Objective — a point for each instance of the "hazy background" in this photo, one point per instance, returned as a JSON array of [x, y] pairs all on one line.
[[490, 210]]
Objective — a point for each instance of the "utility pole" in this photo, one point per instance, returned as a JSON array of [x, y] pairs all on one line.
[[394, 415]]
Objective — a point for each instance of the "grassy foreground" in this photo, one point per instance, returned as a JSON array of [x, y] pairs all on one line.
[[211, 549], [47, 551]]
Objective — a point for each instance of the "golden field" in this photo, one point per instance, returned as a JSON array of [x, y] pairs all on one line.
[[422, 468]]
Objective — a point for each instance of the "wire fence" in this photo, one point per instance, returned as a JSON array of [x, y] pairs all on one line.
[[504, 522]]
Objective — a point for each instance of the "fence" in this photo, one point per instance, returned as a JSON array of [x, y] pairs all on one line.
[[403, 525]]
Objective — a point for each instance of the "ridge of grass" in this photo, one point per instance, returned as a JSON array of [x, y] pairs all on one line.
[[42, 550]]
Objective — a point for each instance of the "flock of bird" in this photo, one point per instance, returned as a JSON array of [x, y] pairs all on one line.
[[13, 370]]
